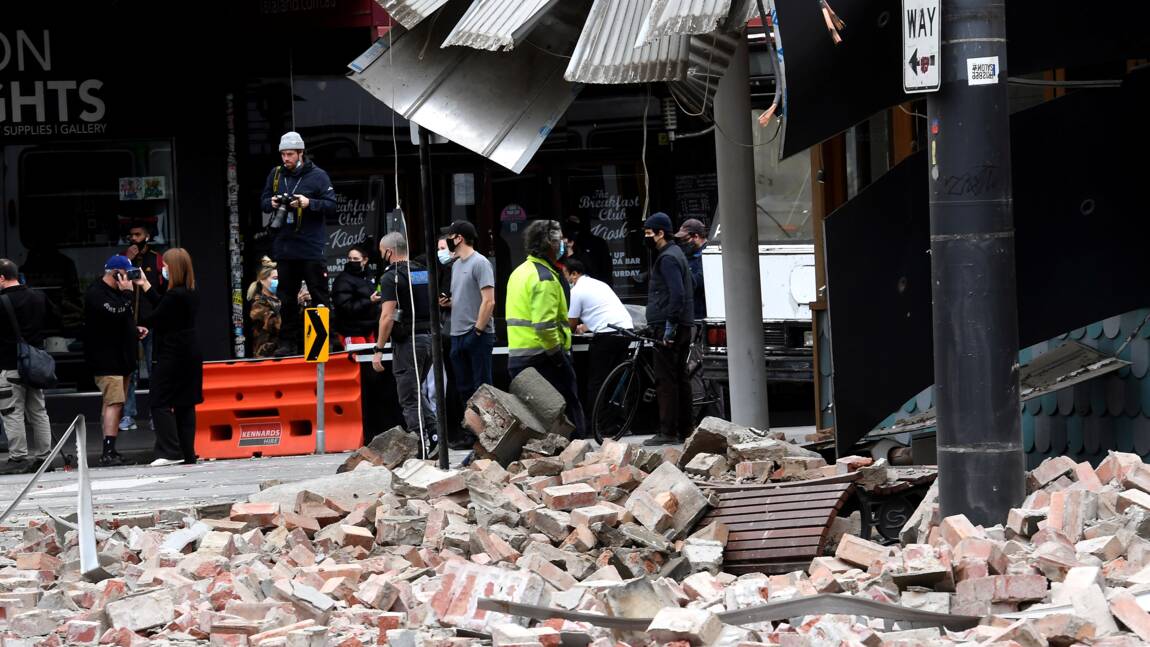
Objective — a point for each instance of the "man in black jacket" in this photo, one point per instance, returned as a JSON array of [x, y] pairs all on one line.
[[299, 244], [145, 256], [111, 338], [670, 314], [21, 403]]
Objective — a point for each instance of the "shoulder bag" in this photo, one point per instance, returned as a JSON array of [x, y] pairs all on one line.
[[36, 367]]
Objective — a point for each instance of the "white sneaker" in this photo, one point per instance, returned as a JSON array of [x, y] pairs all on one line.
[[164, 462]]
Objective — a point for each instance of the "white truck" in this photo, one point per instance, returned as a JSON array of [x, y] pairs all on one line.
[[787, 276]]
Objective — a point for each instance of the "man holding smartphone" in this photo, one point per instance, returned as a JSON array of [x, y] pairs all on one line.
[[111, 340], [150, 262], [472, 303]]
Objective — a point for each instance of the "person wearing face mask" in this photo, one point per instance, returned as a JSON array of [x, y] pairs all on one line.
[[670, 315], [472, 304], [356, 301], [692, 235], [265, 310], [111, 340], [300, 241], [538, 332], [145, 256], [405, 320], [178, 371], [458, 436]]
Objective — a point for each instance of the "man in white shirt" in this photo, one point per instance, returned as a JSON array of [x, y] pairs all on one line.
[[595, 308]]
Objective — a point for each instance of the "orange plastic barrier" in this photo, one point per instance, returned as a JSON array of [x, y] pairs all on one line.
[[267, 408]]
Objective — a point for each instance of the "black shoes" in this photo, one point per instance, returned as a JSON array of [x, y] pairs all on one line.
[[111, 460], [660, 439]]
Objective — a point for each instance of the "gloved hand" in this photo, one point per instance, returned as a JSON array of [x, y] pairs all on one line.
[[669, 331], [558, 359]]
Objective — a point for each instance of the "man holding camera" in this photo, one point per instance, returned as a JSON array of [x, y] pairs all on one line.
[[299, 195], [405, 319], [151, 263], [111, 338]]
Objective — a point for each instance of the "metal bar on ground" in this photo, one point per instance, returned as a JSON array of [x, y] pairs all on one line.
[[85, 521], [43, 468]]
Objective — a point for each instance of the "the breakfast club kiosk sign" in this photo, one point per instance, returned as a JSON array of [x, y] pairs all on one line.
[[37, 99]]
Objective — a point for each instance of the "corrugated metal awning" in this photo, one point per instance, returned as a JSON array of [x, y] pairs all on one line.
[[679, 17], [497, 24], [501, 106], [606, 52], [410, 13]]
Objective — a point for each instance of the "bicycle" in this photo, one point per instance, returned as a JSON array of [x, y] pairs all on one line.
[[633, 382]]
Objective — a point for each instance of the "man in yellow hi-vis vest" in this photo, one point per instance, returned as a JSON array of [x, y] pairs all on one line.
[[538, 332]]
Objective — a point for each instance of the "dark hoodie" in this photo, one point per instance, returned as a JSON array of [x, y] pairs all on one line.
[[305, 238]]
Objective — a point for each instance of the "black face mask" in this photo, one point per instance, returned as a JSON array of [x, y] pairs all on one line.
[[651, 244], [141, 246], [450, 244], [353, 267]]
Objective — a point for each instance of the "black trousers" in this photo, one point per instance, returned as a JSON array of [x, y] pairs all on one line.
[[607, 350], [673, 386], [175, 429], [292, 273]]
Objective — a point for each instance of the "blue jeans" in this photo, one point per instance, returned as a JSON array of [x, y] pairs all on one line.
[[562, 377], [130, 397], [471, 358]]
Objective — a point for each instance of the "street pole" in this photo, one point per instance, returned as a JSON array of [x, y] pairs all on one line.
[[980, 459], [431, 239], [735, 165], [320, 440]]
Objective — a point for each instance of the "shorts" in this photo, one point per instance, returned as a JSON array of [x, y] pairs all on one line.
[[112, 387]]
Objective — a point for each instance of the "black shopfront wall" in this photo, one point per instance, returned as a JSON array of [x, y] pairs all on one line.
[[136, 78]]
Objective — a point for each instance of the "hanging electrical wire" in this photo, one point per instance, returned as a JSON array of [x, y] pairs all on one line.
[[646, 177]]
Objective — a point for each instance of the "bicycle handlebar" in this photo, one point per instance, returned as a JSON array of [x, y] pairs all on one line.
[[632, 334]]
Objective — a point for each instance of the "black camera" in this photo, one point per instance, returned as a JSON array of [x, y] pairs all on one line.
[[281, 212], [134, 273]]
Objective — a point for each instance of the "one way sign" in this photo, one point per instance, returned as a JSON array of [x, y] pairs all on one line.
[[920, 45]]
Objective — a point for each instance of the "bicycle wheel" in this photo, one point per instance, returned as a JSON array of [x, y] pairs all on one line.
[[616, 403]]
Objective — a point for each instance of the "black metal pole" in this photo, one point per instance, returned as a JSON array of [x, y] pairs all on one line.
[[431, 239], [981, 466]]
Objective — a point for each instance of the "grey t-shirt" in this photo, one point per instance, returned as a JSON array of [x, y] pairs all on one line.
[[468, 277]]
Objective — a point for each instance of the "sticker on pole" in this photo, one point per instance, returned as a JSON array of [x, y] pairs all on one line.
[[258, 434], [315, 334], [982, 71], [921, 53]]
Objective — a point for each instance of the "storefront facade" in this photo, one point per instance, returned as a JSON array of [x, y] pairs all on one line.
[[136, 113]]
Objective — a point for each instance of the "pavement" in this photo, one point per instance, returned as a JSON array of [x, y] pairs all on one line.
[[136, 488]]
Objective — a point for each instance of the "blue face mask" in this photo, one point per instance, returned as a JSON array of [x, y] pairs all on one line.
[[562, 248], [164, 273], [444, 256], [274, 285]]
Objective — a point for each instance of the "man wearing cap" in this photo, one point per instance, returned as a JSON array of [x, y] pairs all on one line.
[[692, 235], [111, 338], [299, 243], [472, 303], [670, 314]]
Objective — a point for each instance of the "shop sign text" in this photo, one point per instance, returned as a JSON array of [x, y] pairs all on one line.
[[44, 107]]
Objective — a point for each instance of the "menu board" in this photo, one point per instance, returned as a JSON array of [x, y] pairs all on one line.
[[356, 221], [612, 205], [697, 196]]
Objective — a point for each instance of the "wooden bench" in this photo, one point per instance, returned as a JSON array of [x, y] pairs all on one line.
[[778, 527]]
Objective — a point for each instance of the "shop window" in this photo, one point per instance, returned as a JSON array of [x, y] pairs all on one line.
[[782, 189], [68, 207]]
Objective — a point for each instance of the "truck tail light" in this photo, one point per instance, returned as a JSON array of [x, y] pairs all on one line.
[[717, 336]]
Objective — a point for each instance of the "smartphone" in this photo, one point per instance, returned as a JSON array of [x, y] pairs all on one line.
[[134, 274]]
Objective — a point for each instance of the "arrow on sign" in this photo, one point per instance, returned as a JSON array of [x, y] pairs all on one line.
[[319, 342], [914, 61]]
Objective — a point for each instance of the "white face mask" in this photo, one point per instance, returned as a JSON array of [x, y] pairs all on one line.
[[164, 273], [444, 256]]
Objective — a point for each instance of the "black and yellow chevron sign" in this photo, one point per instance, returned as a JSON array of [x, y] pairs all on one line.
[[315, 334]]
